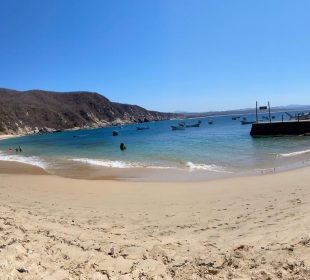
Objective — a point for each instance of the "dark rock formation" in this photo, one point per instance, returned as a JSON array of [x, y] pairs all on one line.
[[37, 111]]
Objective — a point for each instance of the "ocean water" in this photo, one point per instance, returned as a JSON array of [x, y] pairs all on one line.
[[224, 148]]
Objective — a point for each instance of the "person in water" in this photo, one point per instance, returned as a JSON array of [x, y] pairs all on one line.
[[122, 147], [18, 150]]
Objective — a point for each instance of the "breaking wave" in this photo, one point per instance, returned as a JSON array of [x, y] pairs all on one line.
[[117, 163], [206, 167], [294, 153], [122, 164], [33, 160], [107, 163]]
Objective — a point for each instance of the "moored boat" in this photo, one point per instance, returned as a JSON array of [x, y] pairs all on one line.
[[243, 122], [194, 125], [174, 127], [142, 127], [299, 116]]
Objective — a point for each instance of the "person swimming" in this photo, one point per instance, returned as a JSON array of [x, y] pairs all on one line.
[[18, 149], [122, 147]]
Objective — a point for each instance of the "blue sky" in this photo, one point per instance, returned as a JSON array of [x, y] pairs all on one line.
[[161, 54]]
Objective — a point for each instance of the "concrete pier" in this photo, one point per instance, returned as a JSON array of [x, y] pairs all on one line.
[[281, 128]]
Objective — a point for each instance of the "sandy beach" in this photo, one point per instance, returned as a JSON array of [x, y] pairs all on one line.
[[237, 228], [8, 136]]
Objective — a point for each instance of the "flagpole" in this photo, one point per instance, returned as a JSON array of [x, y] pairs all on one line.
[[269, 112]]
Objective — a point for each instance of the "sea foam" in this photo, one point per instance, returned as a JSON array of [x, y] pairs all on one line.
[[118, 164], [122, 164], [33, 160], [294, 153], [107, 163], [207, 167]]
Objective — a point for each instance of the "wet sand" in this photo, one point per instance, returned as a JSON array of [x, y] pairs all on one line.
[[238, 228], [8, 167]]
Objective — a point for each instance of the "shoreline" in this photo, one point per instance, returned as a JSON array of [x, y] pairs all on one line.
[[9, 136], [75, 165], [17, 168], [144, 174], [235, 228], [139, 174], [54, 130]]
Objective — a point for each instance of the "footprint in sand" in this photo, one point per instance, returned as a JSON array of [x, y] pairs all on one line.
[[169, 216], [167, 233], [201, 229]]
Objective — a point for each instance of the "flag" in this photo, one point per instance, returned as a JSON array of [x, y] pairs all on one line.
[[263, 108]]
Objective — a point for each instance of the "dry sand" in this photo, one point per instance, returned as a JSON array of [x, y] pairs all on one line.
[[238, 228]]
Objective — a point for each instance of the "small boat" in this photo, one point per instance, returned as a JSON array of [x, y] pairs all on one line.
[[80, 135], [243, 122], [115, 133], [193, 125], [299, 116], [142, 127], [174, 127], [235, 118], [210, 121]]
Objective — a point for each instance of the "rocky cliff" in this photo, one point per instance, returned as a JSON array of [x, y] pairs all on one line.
[[37, 111]]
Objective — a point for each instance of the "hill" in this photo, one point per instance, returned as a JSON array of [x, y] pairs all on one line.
[[36, 111], [245, 111]]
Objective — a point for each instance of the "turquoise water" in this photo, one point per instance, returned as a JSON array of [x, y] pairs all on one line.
[[224, 147]]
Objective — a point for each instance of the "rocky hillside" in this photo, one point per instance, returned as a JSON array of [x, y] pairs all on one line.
[[37, 111]]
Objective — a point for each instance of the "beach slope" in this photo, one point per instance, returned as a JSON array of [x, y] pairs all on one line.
[[238, 228]]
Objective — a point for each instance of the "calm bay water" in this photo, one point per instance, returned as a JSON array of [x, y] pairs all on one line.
[[224, 147]]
